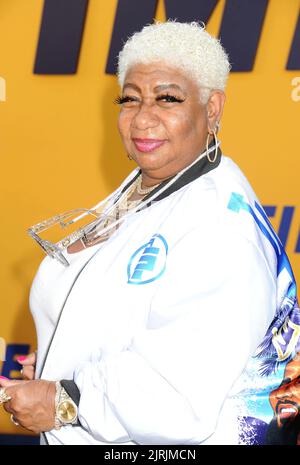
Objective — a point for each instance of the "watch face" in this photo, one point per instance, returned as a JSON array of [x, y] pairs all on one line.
[[67, 411]]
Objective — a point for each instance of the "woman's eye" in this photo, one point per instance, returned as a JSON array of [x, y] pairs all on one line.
[[126, 99], [169, 99]]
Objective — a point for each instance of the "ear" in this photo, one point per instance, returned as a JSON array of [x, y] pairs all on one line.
[[214, 109]]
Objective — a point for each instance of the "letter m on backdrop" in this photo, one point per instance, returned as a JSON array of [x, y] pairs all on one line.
[[63, 21]]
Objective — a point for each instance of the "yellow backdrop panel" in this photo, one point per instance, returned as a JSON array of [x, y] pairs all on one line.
[[60, 147]]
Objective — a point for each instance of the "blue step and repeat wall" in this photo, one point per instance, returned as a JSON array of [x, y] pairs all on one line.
[[60, 147]]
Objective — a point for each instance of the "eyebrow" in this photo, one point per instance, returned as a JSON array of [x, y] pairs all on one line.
[[167, 86], [158, 88]]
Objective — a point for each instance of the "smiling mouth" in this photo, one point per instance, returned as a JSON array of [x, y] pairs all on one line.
[[148, 145], [286, 411]]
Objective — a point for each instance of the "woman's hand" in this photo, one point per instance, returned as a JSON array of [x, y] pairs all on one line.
[[32, 403], [28, 362]]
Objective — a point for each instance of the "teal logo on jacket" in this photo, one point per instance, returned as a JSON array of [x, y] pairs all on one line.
[[148, 262]]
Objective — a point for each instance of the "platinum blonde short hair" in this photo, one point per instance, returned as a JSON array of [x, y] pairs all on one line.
[[186, 46]]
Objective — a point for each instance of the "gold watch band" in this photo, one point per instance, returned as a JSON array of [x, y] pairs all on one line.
[[65, 408]]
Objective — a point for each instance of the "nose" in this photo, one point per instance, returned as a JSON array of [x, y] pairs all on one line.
[[284, 392], [145, 118]]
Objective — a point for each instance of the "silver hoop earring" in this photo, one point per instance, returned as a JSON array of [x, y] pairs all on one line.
[[212, 160]]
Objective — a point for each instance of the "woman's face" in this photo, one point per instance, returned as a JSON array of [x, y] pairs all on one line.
[[162, 122]]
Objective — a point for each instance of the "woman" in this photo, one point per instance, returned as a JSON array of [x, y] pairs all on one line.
[[149, 335]]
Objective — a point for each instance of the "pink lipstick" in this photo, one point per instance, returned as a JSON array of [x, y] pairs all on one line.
[[148, 145]]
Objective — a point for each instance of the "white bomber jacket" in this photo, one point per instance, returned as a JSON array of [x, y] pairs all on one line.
[[165, 328]]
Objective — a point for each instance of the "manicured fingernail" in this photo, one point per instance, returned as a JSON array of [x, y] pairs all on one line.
[[3, 377], [21, 358]]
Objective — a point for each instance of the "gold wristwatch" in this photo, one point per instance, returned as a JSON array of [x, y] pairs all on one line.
[[65, 408]]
